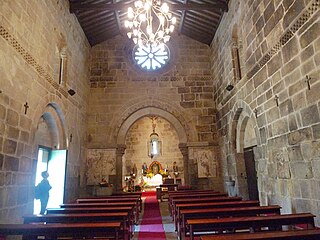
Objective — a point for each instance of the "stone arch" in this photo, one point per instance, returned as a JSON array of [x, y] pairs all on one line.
[[138, 109], [241, 115], [147, 106], [53, 115], [148, 111]]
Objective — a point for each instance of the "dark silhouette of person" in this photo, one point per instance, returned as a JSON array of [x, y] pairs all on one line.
[[44, 188]]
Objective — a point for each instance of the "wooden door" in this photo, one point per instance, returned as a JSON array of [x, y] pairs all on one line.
[[251, 173]]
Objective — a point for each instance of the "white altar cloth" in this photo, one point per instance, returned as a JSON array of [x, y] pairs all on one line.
[[156, 180]]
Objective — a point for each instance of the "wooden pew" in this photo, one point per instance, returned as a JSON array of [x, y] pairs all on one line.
[[114, 196], [223, 212], [55, 230], [311, 234], [272, 222], [104, 205], [201, 200], [89, 210], [167, 186], [122, 217], [185, 206], [173, 199]]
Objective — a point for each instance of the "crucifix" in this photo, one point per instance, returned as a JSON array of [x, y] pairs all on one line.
[[255, 112], [26, 106], [308, 82], [277, 100]]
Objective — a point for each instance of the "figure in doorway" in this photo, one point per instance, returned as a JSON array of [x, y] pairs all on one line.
[[43, 189]]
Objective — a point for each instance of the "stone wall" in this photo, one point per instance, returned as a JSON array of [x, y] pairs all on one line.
[[279, 46], [32, 36], [120, 91]]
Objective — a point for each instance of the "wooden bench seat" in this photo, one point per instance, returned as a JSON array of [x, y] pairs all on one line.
[[123, 217], [311, 234], [223, 212], [88, 210], [201, 200], [116, 196], [252, 223], [194, 196], [55, 230], [104, 205], [185, 206]]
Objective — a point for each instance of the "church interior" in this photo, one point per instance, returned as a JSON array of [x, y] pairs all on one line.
[[225, 98]]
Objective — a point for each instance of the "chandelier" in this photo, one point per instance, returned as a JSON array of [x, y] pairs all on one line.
[[150, 23]]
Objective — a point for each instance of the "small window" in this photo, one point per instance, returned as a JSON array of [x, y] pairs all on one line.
[[151, 58]]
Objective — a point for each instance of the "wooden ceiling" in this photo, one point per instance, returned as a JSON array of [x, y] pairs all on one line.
[[104, 19]]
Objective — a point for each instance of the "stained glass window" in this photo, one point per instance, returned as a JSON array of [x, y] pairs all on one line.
[[151, 58]]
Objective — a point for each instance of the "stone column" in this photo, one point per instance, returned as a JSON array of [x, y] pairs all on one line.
[[185, 153], [119, 153]]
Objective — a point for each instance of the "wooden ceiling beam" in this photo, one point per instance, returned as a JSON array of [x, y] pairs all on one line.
[[78, 6], [183, 15]]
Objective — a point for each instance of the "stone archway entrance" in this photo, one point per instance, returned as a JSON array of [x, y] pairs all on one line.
[[243, 144], [51, 154]]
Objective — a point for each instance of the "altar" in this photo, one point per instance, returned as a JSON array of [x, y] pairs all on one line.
[[154, 174], [154, 181]]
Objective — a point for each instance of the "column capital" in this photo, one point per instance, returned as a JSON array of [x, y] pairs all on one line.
[[120, 149], [183, 148]]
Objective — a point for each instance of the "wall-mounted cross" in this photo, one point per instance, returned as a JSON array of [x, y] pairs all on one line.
[[255, 112], [308, 79], [277, 100], [26, 106]]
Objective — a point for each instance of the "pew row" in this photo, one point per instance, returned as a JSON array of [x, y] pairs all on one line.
[[310, 234], [275, 222], [223, 212], [123, 217], [56, 230], [186, 206]]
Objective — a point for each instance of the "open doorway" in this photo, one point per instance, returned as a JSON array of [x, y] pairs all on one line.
[[53, 161]]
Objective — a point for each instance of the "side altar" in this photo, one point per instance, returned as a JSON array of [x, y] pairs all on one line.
[[153, 176]]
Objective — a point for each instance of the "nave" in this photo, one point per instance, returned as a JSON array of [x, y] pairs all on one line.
[[184, 215]]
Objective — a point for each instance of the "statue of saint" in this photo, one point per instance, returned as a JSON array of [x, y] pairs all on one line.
[[144, 168]]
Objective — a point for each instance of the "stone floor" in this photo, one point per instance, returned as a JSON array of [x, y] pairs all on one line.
[[166, 220]]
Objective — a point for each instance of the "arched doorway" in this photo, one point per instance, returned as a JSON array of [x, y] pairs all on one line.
[[244, 142], [51, 154]]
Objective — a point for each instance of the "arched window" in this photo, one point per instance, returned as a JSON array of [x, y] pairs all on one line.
[[235, 53]]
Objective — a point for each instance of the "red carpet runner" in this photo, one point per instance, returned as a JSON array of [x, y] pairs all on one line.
[[151, 225]]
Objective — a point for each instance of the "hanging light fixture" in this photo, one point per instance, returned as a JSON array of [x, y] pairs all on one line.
[[150, 23]]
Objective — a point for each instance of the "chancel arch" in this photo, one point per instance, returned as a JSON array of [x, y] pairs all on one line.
[[181, 136]]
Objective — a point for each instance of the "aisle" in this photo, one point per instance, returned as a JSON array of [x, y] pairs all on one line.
[[151, 225]]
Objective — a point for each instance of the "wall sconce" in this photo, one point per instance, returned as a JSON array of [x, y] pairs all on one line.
[[71, 92], [229, 87]]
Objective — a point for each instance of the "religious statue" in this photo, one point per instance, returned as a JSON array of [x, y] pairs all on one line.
[[155, 169], [175, 169], [144, 168], [134, 171]]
